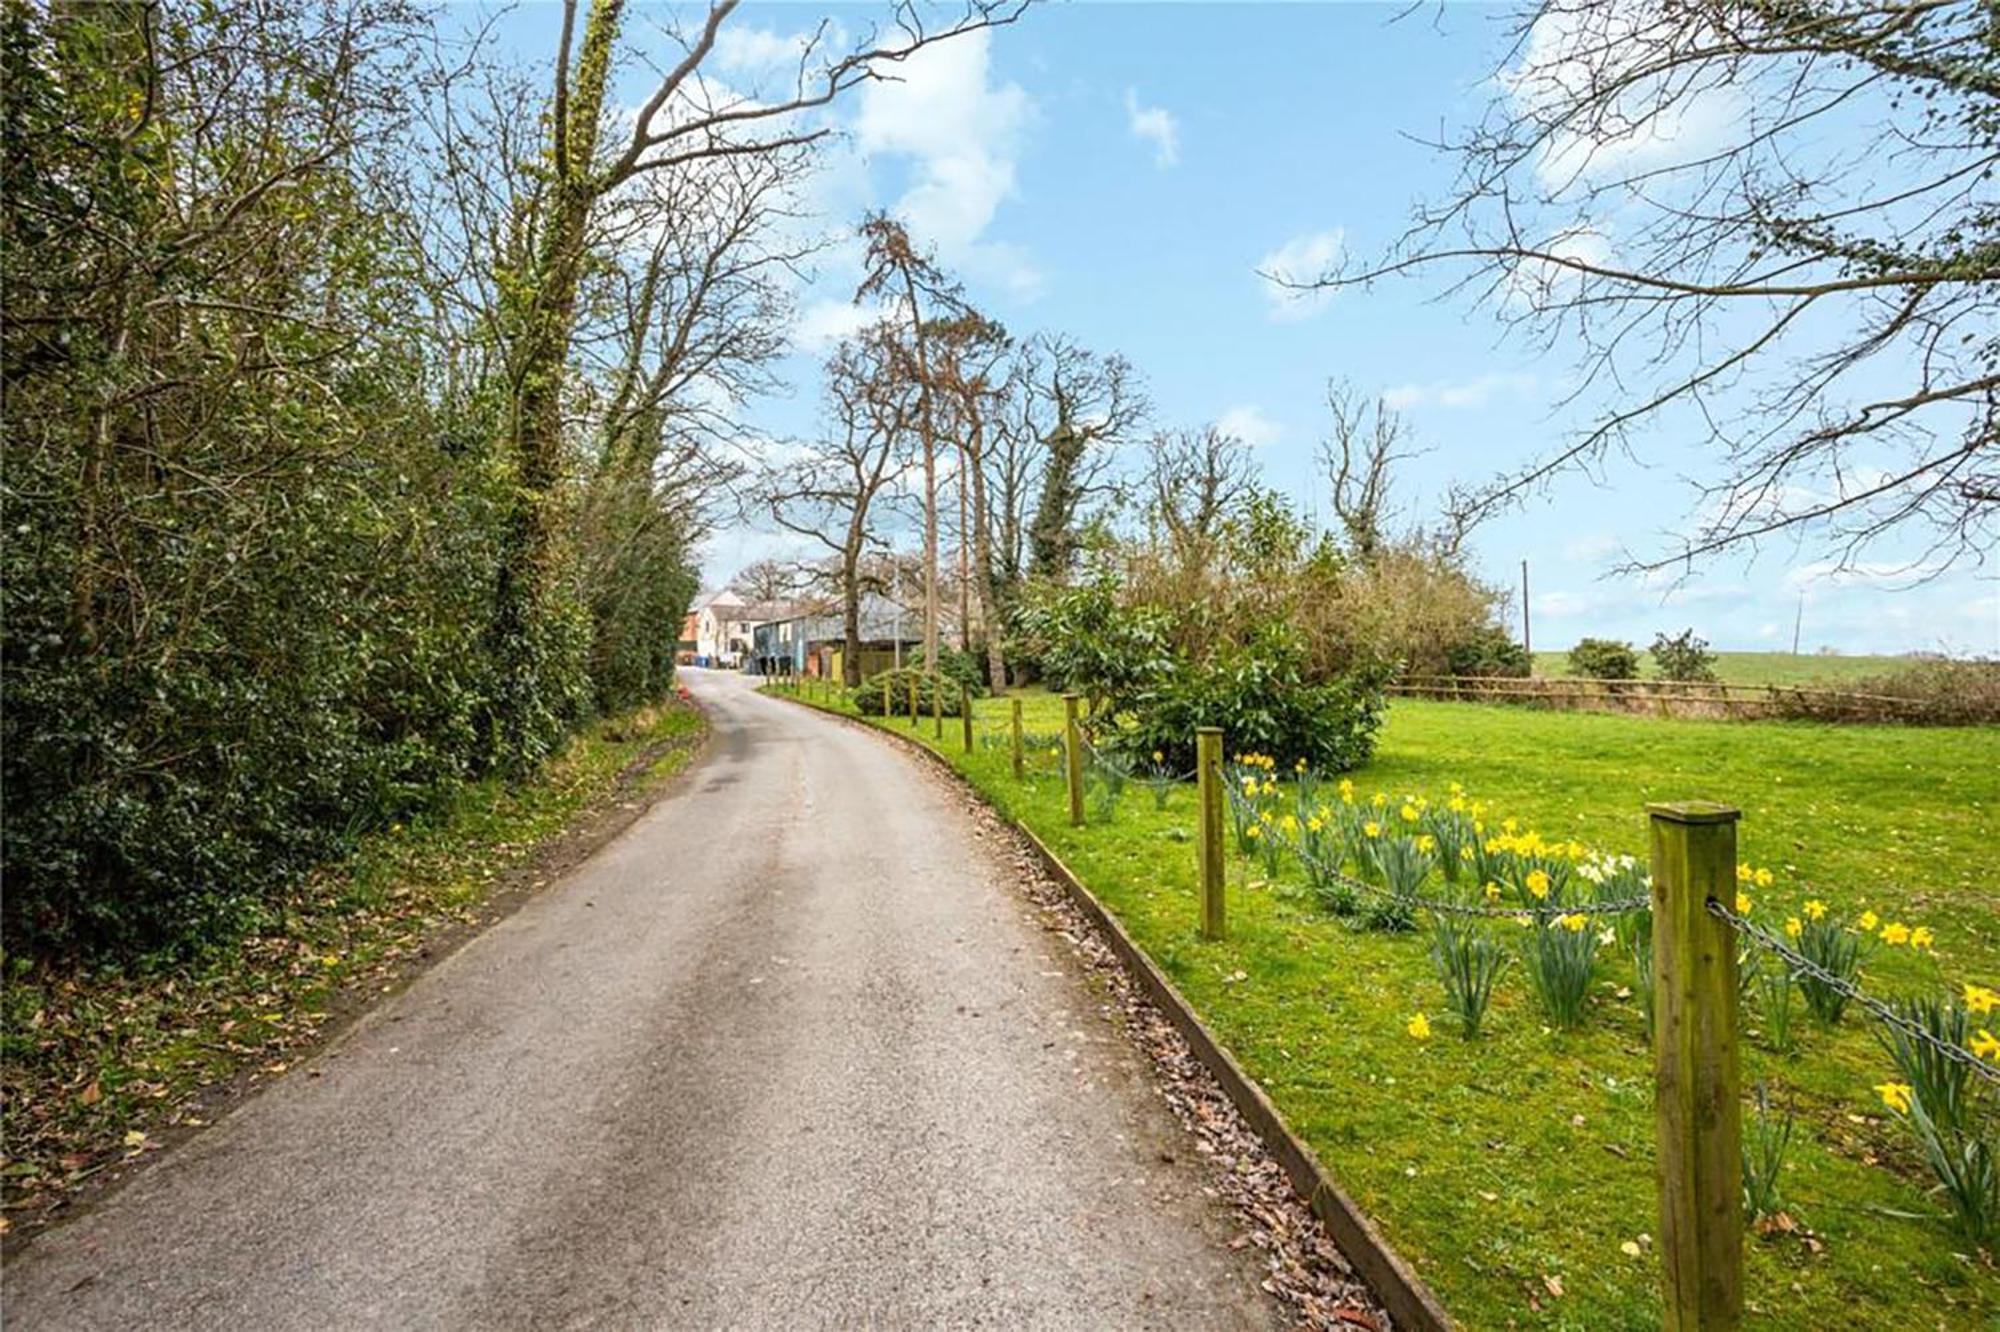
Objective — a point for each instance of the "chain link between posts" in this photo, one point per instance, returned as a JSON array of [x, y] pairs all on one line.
[[1801, 965]]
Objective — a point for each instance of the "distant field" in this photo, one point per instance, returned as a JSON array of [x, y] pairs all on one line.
[[1758, 668]]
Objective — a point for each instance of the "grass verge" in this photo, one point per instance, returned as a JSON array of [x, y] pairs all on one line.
[[1514, 1171], [103, 1065]]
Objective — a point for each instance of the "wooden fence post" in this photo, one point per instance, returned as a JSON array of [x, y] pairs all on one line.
[[1020, 764], [888, 710], [937, 706], [913, 700], [1697, 1082], [965, 709], [1209, 843], [1073, 759]]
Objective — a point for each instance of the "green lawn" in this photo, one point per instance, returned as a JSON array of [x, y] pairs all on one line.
[[1526, 1155], [1757, 668]]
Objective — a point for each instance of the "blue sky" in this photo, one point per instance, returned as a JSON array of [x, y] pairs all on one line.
[[1120, 171]]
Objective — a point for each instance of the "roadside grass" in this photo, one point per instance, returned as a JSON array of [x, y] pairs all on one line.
[[1757, 668], [1519, 1165], [100, 1064]]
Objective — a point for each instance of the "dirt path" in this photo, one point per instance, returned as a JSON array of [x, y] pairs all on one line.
[[785, 1053]]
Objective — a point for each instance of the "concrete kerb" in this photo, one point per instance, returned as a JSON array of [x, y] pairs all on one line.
[[1402, 1292]]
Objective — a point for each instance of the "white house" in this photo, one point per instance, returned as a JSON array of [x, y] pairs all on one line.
[[725, 629]]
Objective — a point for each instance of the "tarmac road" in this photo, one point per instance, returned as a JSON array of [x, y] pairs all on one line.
[[789, 1052]]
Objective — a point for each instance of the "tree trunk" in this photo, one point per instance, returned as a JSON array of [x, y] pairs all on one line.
[[982, 564], [546, 319]]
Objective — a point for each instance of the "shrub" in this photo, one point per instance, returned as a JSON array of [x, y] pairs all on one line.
[[1939, 692], [1491, 651], [1084, 640], [1683, 656], [1604, 659], [868, 695], [1261, 699]]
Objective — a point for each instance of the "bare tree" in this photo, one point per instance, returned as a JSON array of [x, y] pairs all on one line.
[[834, 491], [1065, 411], [765, 581], [1195, 481], [972, 350], [1768, 227], [1360, 452], [898, 270], [685, 119]]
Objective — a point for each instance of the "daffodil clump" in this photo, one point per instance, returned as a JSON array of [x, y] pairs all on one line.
[[1468, 962], [1159, 777], [1254, 789], [1837, 941], [1949, 1109]]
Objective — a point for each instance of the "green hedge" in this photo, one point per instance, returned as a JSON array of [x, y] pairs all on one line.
[[868, 698]]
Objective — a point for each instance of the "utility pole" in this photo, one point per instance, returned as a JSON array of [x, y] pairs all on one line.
[[1527, 638], [1798, 620]]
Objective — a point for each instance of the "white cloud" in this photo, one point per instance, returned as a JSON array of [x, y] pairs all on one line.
[[1889, 575], [758, 50], [1248, 423], [1157, 126], [1651, 122], [1592, 549], [1562, 605], [1474, 392], [1300, 259], [824, 323], [940, 108]]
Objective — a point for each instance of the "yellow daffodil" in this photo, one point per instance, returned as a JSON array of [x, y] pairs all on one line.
[[1300, 766], [1984, 1044], [1815, 908], [1420, 1027], [1378, 800], [1158, 757], [1794, 927], [1509, 825], [1456, 804], [1492, 891], [1372, 828], [1742, 904], [1314, 824], [1743, 872], [1979, 999], [1409, 813], [1426, 843], [1921, 937], [1574, 922], [1253, 832], [1289, 823], [1538, 883], [1346, 791], [1895, 933], [1868, 921], [1764, 878], [1895, 1095]]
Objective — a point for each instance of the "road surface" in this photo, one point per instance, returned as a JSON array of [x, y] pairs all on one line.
[[789, 1052]]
